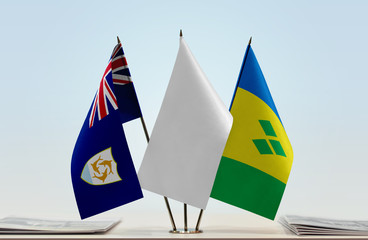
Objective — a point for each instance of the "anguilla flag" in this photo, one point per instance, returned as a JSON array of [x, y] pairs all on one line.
[[257, 159], [102, 169]]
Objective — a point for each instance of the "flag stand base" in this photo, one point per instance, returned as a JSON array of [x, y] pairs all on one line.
[[186, 230], [182, 231]]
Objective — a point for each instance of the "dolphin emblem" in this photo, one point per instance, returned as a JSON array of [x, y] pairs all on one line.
[[96, 170], [102, 177], [94, 165], [107, 163]]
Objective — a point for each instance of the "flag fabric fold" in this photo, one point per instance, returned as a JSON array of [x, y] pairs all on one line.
[[258, 156], [102, 170], [188, 138]]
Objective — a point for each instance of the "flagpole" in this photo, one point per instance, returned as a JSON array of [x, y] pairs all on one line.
[[185, 218], [199, 220], [170, 213], [185, 205], [242, 66], [147, 138], [165, 198]]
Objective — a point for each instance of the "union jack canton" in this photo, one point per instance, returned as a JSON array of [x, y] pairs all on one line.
[[117, 70]]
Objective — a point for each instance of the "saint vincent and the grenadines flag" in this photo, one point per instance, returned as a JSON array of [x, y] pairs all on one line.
[[257, 158], [102, 169]]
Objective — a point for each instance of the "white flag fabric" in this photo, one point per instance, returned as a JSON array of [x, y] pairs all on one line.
[[188, 138]]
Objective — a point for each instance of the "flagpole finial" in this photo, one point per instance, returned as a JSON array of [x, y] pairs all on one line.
[[181, 33], [250, 41], [118, 39]]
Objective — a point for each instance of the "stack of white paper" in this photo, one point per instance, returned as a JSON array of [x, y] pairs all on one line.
[[43, 226], [322, 226]]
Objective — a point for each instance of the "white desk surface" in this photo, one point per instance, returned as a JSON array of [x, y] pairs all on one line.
[[219, 226]]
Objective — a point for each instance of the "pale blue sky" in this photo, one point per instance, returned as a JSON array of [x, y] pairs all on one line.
[[313, 55]]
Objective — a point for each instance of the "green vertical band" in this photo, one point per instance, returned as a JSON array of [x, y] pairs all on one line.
[[248, 188]]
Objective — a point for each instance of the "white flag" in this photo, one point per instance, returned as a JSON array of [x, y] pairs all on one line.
[[188, 138]]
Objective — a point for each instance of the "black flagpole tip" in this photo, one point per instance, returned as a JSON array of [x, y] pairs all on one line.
[[118, 39], [250, 41], [181, 33]]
